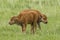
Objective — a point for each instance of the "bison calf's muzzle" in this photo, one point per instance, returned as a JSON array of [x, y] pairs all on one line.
[[10, 23]]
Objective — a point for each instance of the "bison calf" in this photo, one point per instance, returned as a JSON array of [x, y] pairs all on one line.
[[32, 17]]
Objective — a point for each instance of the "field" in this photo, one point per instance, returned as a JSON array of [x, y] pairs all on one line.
[[50, 31]]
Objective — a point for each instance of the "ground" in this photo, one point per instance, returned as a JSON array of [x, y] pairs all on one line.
[[50, 31]]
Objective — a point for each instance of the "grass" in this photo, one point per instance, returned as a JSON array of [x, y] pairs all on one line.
[[50, 31]]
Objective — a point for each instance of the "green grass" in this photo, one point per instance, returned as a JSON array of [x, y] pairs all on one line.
[[50, 31]]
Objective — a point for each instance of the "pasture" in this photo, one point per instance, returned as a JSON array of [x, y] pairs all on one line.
[[50, 31]]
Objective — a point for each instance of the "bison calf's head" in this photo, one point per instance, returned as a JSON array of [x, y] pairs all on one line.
[[13, 20], [44, 19]]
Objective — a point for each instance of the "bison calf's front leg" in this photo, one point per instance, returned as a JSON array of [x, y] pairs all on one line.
[[23, 28], [39, 26]]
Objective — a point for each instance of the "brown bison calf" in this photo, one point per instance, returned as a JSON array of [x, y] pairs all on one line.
[[32, 17]]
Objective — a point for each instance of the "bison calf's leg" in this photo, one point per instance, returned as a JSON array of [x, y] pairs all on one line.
[[23, 28], [39, 26], [33, 28]]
